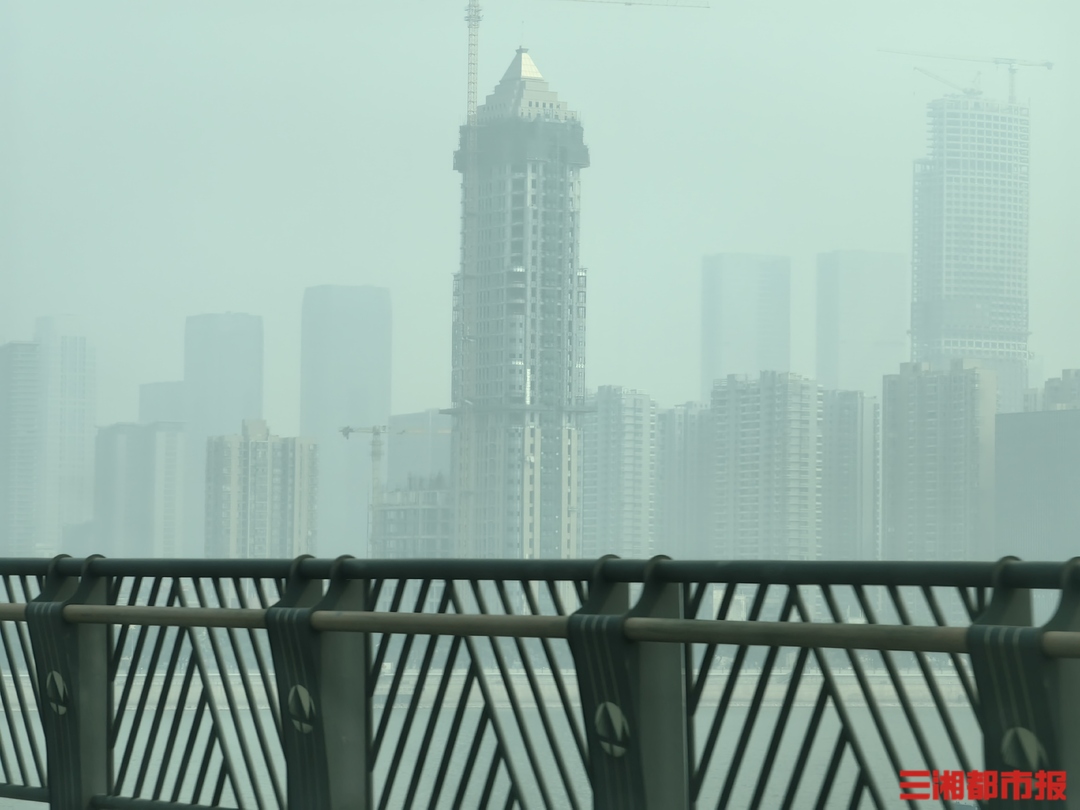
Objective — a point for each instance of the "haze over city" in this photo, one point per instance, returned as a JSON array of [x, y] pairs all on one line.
[[168, 159], [236, 236]]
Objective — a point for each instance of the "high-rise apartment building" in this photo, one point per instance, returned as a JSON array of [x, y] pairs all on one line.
[[1037, 474], [416, 520], [619, 474], [345, 382], [261, 494], [863, 317], [138, 490], [418, 447], [68, 412], [684, 460], [519, 323], [745, 316], [767, 467], [970, 241], [850, 476], [223, 386], [1061, 393], [20, 447], [162, 402], [938, 463]]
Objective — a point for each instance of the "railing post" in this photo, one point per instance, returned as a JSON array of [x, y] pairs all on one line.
[[633, 698], [71, 662], [1029, 704], [322, 682]]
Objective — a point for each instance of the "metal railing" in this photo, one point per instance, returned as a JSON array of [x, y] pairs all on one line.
[[475, 683]]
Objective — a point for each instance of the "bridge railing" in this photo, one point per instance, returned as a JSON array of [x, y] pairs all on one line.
[[576, 684]]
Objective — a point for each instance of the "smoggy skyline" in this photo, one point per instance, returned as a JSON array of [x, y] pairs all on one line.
[[172, 160]]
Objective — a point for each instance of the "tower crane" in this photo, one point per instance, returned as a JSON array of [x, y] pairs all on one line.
[[377, 432], [967, 91], [1012, 64]]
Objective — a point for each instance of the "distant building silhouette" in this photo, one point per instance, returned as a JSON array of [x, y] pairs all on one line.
[[418, 446], [1038, 477], [138, 491], [767, 467], [970, 242], [619, 474], [162, 402], [684, 479], [21, 426], [850, 476], [223, 386], [260, 494], [938, 463], [519, 323], [344, 382], [416, 521], [68, 412], [745, 316], [863, 318]]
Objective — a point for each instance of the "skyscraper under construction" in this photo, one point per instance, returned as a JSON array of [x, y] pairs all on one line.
[[519, 323], [970, 251]]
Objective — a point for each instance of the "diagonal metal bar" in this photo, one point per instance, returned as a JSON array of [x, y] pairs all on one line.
[[931, 681], [864, 683], [831, 769], [804, 749], [698, 774], [781, 725], [961, 670], [410, 713], [201, 711], [481, 682], [694, 694], [235, 713], [174, 729], [560, 684], [474, 751], [212, 707], [515, 706], [159, 711], [455, 728], [538, 696], [433, 720], [30, 727], [897, 683], [755, 706], [399, 671], [249, 692], [838, 703]]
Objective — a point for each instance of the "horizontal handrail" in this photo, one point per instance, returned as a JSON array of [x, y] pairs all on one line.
[[899, 638], [1013, 573]]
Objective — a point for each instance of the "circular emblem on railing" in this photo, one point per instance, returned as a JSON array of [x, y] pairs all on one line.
[[301, 709], [1021, 749], [57, 692], [613, 729]]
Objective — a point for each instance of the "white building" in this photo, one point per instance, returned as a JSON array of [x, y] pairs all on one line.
[[619, 474], [745, 316], [970, 242], [938, 463], [767, 467], [261, 494], [518, 341]]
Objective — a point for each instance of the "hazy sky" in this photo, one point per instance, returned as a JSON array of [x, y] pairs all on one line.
[[174, 157]]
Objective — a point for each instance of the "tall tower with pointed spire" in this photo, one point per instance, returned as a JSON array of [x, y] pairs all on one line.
[[519, 324]]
